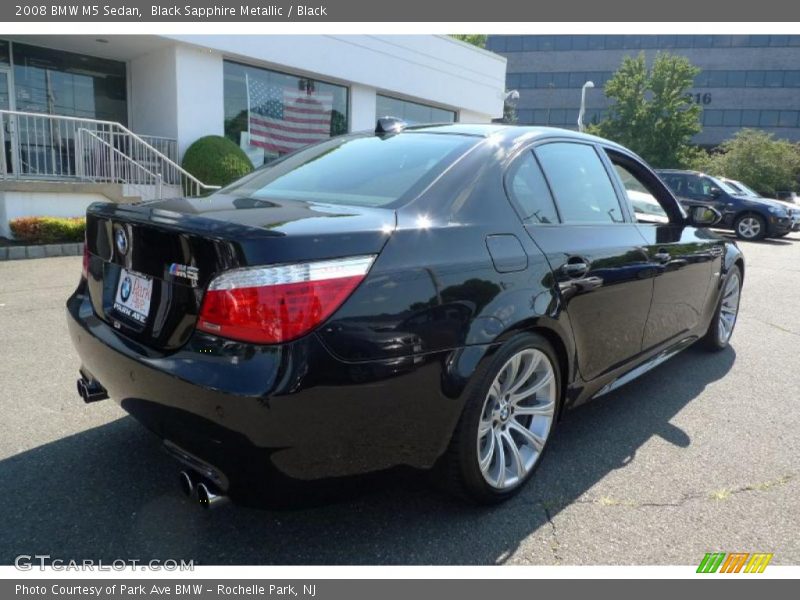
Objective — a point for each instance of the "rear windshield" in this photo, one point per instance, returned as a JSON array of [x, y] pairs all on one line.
[[364, 171]]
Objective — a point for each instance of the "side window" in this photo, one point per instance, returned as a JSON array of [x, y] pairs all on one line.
[[646, 207], [580, 183], [529, 192], [677, 183], [708, 186], [697, 187]]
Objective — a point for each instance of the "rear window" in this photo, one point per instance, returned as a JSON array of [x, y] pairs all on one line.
[[363, 171]]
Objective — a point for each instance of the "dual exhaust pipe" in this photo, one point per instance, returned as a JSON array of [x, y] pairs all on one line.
[[91, 390], [203, 491], [193, 485]]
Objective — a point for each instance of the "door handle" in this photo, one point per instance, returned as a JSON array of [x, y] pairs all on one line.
[[662, 256], [575, 269]]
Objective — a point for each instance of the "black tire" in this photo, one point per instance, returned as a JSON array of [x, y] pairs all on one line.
[[711, 341], [743, 220], [459, 469]]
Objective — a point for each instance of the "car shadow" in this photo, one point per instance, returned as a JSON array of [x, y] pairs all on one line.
[[111, 493]]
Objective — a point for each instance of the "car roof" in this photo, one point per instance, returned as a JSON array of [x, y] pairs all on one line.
[[507, 133]]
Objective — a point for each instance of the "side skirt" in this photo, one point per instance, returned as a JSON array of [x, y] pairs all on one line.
[[646, 366]]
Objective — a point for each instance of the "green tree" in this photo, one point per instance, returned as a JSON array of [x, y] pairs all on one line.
[[476, 39], [509, 113], [652, 113], [757, 159]]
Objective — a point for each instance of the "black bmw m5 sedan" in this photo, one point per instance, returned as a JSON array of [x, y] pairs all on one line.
[[433, 296]]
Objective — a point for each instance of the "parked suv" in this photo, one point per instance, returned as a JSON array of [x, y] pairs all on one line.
[[751, 218], [791, 207]]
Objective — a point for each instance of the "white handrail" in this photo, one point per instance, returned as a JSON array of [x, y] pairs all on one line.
[[169, 161], [116, 152], [49, 147]]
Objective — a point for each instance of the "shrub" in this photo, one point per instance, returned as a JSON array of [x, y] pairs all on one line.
[[216, 160], [48, 230], [756, 158]]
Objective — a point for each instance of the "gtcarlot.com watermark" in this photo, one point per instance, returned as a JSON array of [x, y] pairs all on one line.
[[28, 562]]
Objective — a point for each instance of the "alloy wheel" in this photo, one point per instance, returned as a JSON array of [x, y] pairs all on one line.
[[749, 227], [516, 418], [729, 307]]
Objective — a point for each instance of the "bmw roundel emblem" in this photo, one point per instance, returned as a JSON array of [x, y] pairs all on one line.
[[121, 240], [125, 290]]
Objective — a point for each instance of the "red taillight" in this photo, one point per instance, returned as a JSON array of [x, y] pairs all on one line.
[[85, 271], [268, 305]]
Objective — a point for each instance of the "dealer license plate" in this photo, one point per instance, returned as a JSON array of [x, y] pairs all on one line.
[[133, 296]]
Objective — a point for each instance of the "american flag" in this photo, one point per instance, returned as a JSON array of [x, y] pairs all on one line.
[[282, 120]]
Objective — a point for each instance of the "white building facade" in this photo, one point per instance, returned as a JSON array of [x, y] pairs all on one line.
[[158, 94]]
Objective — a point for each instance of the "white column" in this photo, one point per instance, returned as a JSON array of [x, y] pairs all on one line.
[[153, 93], [177, 91], [200, 94], [362, 108]]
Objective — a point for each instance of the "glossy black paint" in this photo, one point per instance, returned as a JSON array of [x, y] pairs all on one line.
[[383, 381]]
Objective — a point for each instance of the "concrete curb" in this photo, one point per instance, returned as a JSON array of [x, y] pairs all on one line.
[[44, 251]]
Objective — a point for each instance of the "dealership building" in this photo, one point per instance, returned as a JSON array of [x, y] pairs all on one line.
[[88, 118], [746, 80]]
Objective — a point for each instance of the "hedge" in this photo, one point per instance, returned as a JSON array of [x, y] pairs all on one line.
[[216, 160], [48, 230]]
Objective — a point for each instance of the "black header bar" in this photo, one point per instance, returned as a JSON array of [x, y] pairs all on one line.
[[603, 11]]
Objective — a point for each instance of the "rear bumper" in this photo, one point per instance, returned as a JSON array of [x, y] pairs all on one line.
[[296, 409]]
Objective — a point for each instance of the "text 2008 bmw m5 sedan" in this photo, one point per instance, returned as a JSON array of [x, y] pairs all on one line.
[[432, 296]]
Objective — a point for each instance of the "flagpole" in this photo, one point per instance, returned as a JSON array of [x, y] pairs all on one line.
[[247, 86]]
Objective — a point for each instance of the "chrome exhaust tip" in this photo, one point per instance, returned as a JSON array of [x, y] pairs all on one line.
[[188, 483], [209, 496]]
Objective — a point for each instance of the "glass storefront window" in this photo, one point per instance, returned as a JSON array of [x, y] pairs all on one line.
[[4, 97], [412, 112], [269, 114], [63, 83], [4, 55]]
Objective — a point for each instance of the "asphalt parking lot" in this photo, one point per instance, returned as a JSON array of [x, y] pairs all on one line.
[[699, 455]]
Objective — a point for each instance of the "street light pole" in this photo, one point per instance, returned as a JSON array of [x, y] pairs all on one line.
[[582, 111]]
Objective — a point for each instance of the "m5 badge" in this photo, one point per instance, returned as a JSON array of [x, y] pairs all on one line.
[[185, 271]]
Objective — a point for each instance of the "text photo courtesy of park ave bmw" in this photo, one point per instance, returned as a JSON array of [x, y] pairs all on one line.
[[310, 298]]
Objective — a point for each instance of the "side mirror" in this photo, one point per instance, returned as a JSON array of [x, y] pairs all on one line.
[[703, 216], [715, 192]]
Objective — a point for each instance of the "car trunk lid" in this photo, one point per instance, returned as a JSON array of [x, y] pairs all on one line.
[[151, 262]]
